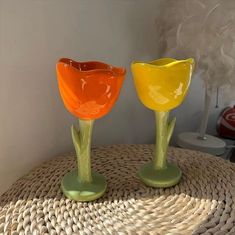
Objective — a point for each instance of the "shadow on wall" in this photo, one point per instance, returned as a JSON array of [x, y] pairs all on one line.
[[33, 121]]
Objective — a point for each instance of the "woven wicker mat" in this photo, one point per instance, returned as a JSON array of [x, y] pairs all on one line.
[[202, 203]]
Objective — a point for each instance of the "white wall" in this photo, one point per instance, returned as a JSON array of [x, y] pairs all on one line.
[[34, 125]]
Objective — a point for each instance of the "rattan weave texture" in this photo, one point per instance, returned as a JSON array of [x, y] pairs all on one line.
[[202, 203]]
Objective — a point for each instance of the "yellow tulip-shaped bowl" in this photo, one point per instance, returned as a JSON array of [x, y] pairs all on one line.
[[161, 86]]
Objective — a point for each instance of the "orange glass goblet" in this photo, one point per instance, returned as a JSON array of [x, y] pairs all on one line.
[[89, 90]]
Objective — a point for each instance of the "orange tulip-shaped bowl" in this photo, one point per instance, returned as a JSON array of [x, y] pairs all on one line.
[[88, 90]]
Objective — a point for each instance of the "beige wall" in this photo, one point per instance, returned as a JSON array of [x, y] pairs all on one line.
[[34, 126]]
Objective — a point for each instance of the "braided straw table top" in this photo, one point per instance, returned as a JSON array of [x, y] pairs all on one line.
[[202, 203]]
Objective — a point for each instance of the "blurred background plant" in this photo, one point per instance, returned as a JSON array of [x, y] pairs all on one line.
[[205, 30]]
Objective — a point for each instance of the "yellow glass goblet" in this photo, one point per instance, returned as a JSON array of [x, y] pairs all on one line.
[[161, 86]]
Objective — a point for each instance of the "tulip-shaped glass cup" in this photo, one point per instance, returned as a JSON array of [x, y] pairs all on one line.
[[88, 90], [161, 86]]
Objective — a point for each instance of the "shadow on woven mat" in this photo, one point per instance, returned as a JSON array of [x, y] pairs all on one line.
[[203, 202]]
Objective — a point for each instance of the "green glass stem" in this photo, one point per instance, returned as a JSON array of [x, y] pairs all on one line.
[[83, 184], [159, 173], [82, 144], [164, 130]]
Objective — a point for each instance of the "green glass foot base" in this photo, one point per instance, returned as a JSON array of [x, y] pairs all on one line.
[[73, 189], [164, 178]]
